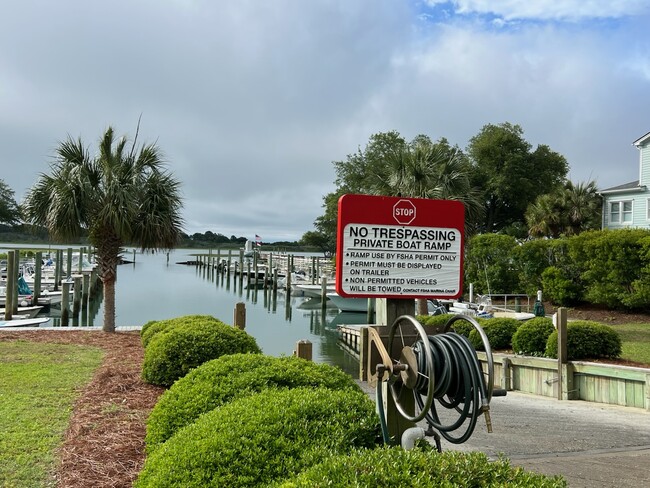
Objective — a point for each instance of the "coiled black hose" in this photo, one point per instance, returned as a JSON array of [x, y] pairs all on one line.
[[459, 383]]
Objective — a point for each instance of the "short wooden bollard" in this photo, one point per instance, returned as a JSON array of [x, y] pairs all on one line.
[[303, 349], [239, 316]]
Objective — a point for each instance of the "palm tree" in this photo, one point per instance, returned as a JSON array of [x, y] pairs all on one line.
[[544, 217], [583, 207], [120, 197], [567, 211]]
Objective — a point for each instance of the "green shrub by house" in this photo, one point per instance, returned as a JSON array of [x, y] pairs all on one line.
[[222, 380], [264, 437], [172, 353], [587, 340], [153, 327], [417, 468], [499, 332], [531, 336]]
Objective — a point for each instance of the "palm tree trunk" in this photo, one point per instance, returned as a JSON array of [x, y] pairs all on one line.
[[109, 305], [423, 308]]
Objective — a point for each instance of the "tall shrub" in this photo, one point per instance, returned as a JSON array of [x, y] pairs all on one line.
[[613, 262], [532, 258], [490, 265]]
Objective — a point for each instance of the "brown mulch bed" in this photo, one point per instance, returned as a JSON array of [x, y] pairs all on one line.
[[104, 444]]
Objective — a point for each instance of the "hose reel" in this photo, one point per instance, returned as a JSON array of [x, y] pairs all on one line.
[[437, 371]]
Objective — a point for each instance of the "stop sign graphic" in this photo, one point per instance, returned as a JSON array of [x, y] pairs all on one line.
[[404, 212]]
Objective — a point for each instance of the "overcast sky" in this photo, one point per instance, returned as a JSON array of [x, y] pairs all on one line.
[[252, 100]]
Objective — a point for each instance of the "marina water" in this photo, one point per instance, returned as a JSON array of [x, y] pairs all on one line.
[[155, 287]]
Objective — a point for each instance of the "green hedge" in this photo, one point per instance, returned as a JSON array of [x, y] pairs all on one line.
[[605, 267], [587, 340], [227, 378], [264, 437], [171, 353], [153, 327], [417, 468], [531, 336]]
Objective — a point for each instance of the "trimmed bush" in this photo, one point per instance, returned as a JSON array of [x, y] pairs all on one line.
[[152, 327], [173, 352], [499, 332], [222, 380], [531, 336], [393, 466], [264, 437], [587, 340]]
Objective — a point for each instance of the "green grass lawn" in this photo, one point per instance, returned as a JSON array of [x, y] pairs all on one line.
[[38, 385], [635, 340]]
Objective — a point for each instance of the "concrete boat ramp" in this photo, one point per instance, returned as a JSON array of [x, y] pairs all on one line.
[[592, 445]]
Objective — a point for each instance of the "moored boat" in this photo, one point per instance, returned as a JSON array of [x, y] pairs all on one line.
[[24, 322]]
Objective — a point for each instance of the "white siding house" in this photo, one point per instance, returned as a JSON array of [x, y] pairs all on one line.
[[628, 205]]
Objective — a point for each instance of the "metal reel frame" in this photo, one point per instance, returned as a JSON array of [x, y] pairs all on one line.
[[407, 367]]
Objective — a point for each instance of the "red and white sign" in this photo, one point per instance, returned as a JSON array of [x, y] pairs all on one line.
[[391, 247]]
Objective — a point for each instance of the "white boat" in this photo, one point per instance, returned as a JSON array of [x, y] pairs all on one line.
[[314, 290], [28, 312], [498, 313], [348, 304], [485, 309], [32, 322]]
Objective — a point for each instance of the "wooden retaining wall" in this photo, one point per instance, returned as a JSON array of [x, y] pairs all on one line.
[[576, 380]]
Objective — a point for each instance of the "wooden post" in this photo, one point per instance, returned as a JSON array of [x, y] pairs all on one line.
[[65, 302], [68, 265], [506, 382], [37, 277], [288, 280], [11, 285], [15, 279], [239, 316], [85, 290], [562, 355], [80, 264], [323, 289], [58, 268], [76, 296], [304, 349]]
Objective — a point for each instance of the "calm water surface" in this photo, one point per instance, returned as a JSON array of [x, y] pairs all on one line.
[[156, 288]]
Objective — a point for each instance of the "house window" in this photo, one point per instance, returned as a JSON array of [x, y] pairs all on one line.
[[620, 212]]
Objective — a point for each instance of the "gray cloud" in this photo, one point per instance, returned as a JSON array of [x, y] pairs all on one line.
[[251, 101]]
